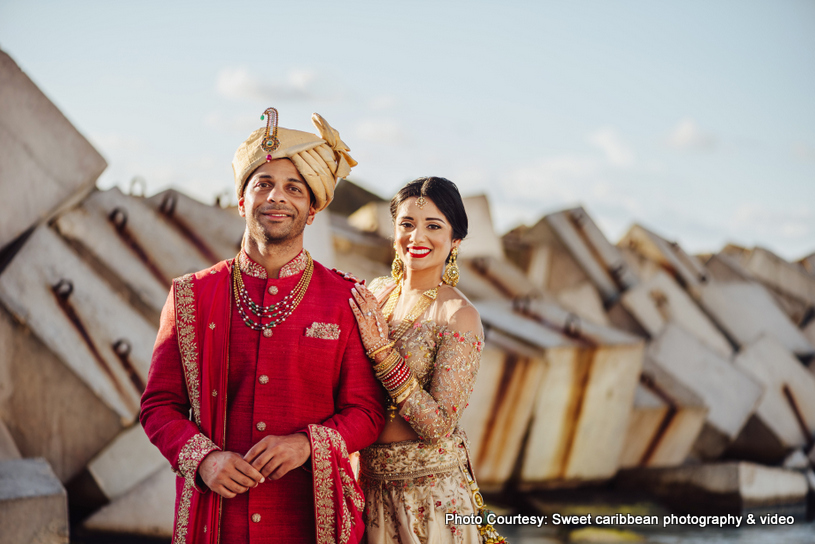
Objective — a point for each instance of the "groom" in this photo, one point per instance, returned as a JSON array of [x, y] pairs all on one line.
[[259, 385]]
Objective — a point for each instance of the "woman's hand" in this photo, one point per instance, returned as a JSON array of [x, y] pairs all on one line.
[[373, 328]]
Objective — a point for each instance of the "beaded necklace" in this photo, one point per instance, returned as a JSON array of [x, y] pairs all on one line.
[[279, 311]]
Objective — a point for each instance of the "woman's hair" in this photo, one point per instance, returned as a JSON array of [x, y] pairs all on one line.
[[444, 195]]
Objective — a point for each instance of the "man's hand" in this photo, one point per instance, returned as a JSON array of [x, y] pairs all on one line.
[[275, 456], [227, 473]]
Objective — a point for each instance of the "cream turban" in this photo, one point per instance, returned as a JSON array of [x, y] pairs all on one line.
[[321, 160]]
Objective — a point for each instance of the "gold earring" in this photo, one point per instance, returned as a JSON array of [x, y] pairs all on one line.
[[450, 276], [397, 268]]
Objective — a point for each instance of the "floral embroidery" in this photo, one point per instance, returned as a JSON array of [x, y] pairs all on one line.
[[187, 343], [396, 498], [183, 515], [323, 441], [291, 268], [192, 454], [326, 331], [446, 364]]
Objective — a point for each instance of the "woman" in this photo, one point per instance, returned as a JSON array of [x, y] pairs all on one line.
[[424, 339]]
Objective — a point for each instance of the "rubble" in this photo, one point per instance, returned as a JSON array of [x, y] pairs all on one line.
[[599, 357]]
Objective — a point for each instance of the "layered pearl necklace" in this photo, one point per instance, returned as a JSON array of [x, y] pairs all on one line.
[[279, 311]]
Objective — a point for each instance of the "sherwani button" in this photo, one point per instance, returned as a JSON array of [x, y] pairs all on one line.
[[264, 379], [256, 518], [261, 426], [272, 290]]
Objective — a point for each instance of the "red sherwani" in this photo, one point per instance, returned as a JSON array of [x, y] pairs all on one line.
[[214, 383]]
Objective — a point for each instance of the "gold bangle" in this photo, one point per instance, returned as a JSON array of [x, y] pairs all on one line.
[[387, 363], [377, 350], [413, 384]]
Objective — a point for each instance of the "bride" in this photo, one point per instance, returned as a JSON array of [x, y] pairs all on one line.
[[424, 339]]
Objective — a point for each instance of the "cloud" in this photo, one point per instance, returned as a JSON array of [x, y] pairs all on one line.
[[617, 152], [383, 102], [804, 152], [688, 136], [381, 131], [239, 84]]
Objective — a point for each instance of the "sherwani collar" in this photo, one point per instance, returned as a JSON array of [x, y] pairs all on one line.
[[291, 268]]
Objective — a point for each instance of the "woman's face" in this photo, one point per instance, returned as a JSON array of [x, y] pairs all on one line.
[[423, 236]]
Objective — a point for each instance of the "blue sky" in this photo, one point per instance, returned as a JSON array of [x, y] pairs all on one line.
[[695, 119]]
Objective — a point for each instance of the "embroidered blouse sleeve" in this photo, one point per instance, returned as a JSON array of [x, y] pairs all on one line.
[[435, 413]]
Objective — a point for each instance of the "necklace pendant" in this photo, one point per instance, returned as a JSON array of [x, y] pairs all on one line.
[[267, 333]]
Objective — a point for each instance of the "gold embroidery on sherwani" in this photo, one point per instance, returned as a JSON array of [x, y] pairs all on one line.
[[326, 331], [187, 345], [253, 269], [192, 454], [323, 440], [183, 514]]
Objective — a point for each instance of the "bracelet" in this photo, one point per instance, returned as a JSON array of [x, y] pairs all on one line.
[[387, 364], [377, 350], [403, 395]]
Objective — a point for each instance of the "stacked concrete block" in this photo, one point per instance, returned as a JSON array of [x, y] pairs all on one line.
[[745, 311], [660, 301], [787, 408], [80, 317], [721, 488], [46, 163], [145, 509], [49, 411], [730, 394], [669, 256], [33, 503], [789, 280], [666, 420], [572, 395]]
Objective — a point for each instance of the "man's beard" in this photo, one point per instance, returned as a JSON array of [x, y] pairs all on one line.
[[275, 234]]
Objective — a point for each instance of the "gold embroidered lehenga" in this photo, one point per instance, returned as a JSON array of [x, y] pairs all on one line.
[[410, 485]]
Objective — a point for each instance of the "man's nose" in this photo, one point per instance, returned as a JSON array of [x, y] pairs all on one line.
[[276, 194]]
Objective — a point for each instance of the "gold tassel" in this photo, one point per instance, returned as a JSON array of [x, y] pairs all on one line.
[[451, 275]]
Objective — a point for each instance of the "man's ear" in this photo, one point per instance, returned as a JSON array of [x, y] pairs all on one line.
[[241, 209], [312, 212]]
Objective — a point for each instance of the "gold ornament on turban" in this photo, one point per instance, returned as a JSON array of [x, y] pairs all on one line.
[[321, 160]]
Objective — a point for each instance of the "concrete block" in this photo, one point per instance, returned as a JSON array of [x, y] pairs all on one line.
[[33, 503], [686, 269], [787, 408], [797, 460], [780, 275], [79, 317], [730, 487], [573, 394], [8, 449], [49, 411], [126, 461], [660, 300], [666, 420], [745, 311], [601, 261], [214, 231], [147, 509], [730, 394], [585, 301], [47, 163]]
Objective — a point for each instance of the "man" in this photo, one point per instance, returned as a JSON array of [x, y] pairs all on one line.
[[259, 385]]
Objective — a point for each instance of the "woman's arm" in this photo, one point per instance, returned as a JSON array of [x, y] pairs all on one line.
[[435, 413]]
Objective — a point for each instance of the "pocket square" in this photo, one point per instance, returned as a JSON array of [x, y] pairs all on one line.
[[326, 331]]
